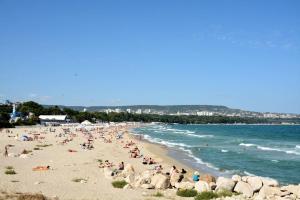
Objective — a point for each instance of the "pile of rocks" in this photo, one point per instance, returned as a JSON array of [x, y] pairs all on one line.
[[250, 187]]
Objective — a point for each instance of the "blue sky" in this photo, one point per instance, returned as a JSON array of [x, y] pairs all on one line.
[[242, 54]]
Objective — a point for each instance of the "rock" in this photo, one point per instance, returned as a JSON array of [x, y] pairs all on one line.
[[255, 182], [267, 191], [185, 185], [147, 186], [295, 189], [127, 187], [23, 156], [269, 182], [236, 178], [144, 178], [160, 181], [83, 181], [174, 179], [207, 178], [12, 155], [225, 184], [245, 178], [202, 186], [130, 178], [244, 188], [212, 185], [128, 170]]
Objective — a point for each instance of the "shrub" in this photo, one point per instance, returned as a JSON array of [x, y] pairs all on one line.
[[225, 193], [206, 196], [10, 172], [32, 197], [119, 184], [9, 167], [36, 148], [158, 194], [186, 193]]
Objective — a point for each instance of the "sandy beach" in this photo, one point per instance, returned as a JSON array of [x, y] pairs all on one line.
[[69, 161]]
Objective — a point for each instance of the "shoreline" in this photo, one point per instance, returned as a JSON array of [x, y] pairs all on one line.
[[179, 158], [180, 155]]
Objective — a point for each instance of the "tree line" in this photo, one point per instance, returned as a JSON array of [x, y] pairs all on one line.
[[79, 116]]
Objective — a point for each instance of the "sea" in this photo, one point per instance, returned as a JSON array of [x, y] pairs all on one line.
[[223, 150]]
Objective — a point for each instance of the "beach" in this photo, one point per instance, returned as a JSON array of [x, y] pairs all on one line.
[[68, 161], [85, 162]]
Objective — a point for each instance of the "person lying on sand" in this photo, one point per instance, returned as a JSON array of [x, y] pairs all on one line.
[[158, 169], [106, 164], [41, 168]]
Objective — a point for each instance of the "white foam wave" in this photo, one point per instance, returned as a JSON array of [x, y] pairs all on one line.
[[248, 173], [270, 149], [169, 144], [247, 145], [275, 161], [224, 150], [297, 147]]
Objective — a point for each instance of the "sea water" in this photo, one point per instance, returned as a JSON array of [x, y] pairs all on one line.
[[262, 150]]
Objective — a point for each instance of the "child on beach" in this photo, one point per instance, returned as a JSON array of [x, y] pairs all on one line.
[[196, 176]]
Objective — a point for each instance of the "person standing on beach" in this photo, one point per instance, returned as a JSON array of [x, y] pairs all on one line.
[[6, 151]]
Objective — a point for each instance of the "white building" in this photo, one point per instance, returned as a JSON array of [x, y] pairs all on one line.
[[128, 110], [147, 111], [118, 110], [205, 113], [138, 111], [53, 119]]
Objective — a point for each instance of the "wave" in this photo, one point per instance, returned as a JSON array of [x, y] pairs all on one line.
[[182, 147], [248, 173], [297, 147], [224, 151], [270, 149], [247, 145], [182, 132], [169, 144]]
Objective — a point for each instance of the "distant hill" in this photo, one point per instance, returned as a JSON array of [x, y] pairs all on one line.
[[162, 108]]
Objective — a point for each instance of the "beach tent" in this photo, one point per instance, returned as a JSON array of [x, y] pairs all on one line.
[[86, 122]]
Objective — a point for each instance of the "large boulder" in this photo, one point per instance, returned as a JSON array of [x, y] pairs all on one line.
[[255, 182], [185, 185], [295, 189], [236, 178], [244, 188], [143, 178], [269, 182], [130, 178], [160, 181], [268, 192], [174, 179], [128, 170], [225, 184], [207, 178], [245, 178], [202, 186]]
